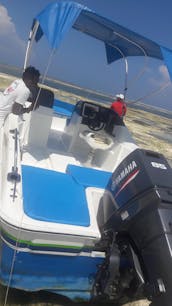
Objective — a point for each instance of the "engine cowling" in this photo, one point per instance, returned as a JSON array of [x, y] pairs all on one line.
[[138, 204]]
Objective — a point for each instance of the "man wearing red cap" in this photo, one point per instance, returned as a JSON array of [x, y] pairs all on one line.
[[119, 106]]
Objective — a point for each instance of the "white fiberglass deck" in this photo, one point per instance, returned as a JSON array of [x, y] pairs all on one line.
[[49, 143], [52, 143]]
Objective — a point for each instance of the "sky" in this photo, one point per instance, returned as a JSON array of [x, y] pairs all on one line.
[[74, 63]]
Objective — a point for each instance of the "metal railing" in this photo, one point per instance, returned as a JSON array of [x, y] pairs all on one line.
[[14, 176]]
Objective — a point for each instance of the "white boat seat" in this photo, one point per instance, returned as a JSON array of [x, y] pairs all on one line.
[[97, 140]]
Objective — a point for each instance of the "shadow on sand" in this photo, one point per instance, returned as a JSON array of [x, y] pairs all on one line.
[[41, 298]]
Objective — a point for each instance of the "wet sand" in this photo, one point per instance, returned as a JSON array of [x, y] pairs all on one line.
[[42, 298]]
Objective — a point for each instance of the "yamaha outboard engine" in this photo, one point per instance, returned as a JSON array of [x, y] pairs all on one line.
[[138, 209]]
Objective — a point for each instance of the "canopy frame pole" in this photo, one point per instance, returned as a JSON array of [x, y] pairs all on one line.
[[32, 35], [139, 47], [154, 92], [126, 68]]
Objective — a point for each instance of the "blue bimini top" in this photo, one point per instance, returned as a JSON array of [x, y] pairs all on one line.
[[58, 17], [54, 197]]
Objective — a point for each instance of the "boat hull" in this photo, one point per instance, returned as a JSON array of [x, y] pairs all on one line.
[[33, 270]]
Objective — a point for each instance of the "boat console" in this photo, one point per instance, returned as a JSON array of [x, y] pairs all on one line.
[[90, 132], [97, 117]]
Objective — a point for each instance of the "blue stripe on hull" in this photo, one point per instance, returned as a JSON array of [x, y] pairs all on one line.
[[72, 276]]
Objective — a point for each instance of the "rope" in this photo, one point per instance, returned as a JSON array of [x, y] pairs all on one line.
[[44, 76], [154, 92], [13, 262], [20, 228], [36, 101]]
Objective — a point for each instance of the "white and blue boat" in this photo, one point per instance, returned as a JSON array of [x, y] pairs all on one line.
[[84, 211]]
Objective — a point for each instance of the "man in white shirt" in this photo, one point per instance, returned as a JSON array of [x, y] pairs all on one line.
[[14, 97]]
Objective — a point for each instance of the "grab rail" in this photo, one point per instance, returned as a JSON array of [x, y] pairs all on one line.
[[14, 176]]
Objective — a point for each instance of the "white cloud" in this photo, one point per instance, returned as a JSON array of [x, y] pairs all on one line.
[[12, 47], [164, 73], [6, 25], [161, 77]]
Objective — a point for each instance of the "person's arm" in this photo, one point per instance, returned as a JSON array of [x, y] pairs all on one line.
[[22, 96], [34, 97], [112, 105], [18, 109]]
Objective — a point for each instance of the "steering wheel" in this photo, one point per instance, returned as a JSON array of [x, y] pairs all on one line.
[[94, 121]]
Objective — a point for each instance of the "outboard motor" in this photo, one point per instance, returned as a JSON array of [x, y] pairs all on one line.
[[138, 209]]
